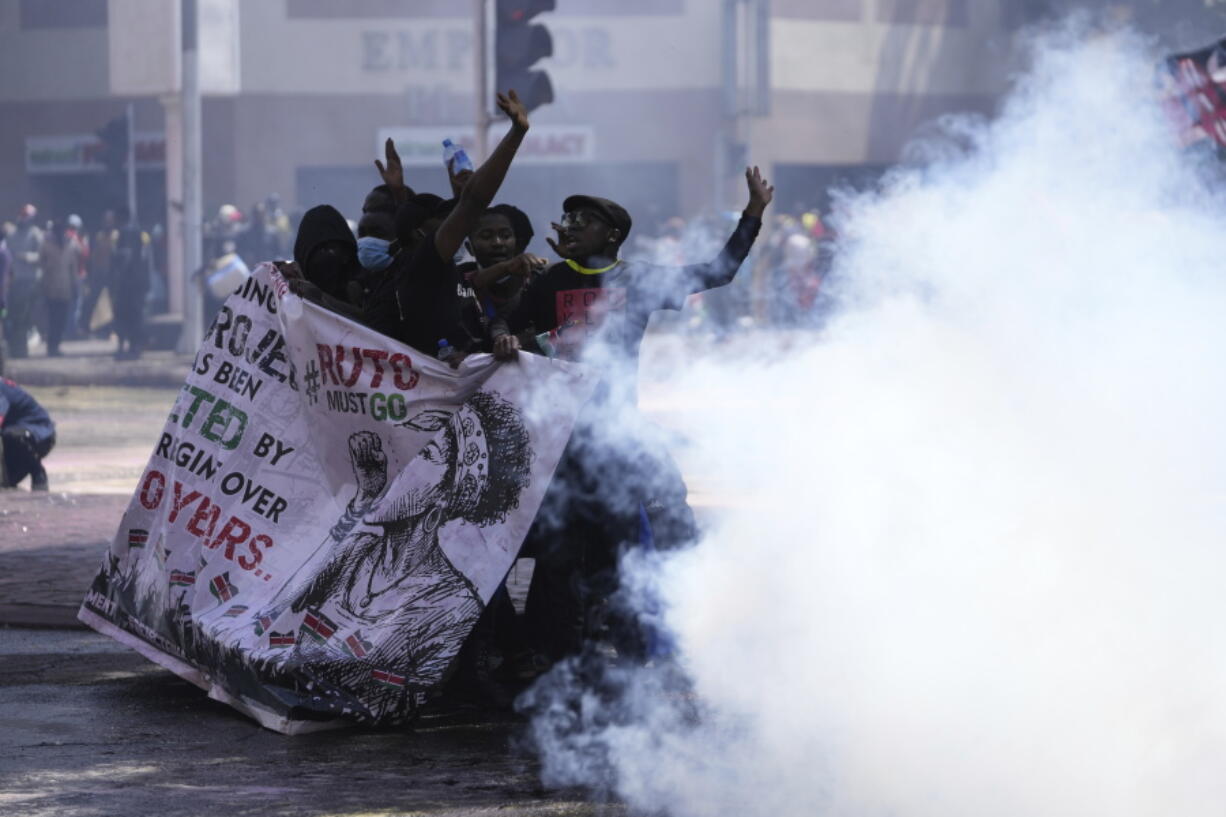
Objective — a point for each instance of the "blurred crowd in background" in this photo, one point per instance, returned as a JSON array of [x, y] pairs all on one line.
[[62, 279]]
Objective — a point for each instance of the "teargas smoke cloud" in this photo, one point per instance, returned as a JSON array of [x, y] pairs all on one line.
[[974, 560]]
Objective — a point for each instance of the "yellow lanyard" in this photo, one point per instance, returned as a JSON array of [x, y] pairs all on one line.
[[587, 271]]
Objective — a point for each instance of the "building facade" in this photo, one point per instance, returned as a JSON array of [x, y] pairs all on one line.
[[657, 100]]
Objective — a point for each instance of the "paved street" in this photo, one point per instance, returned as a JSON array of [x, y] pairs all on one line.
[[51, 544], [89, 728]]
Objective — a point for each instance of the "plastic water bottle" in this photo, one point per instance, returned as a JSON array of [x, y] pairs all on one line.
[[545, 342], [445, 350], [455, 159]]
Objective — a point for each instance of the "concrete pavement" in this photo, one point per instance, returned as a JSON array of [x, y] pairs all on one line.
[[92, 363], [89, 728], [51, 546]]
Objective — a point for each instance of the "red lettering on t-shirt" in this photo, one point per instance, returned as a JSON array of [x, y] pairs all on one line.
[[581, 312]]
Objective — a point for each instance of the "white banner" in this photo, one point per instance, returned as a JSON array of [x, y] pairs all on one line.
[[327, 512]]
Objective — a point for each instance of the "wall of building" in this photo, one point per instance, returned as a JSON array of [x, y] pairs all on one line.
[[301, 89], [852, 80]]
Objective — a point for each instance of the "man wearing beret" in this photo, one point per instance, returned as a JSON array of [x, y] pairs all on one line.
[[616, 486]]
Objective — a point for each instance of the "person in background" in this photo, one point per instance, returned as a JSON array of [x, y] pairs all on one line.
[[129, 286], [60, 260], [278, 224], [257, 242], [25, 243], [75, 234], [6, 269], [98, 279], [27, 435]]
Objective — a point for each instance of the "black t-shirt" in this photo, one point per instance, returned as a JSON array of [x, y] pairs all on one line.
[[602, 314], [420, 301], [476, 312]]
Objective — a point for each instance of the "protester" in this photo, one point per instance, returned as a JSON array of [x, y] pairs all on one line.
[[129, 286], [6, 268], [381, 199], [325, 261], [25, 243], [376, 234], [499, 269], [60, 260], [501, 266], [27, 435], [419, 303], [613, 486]]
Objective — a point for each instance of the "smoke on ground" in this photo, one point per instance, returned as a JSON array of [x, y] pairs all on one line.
[[973, 563]]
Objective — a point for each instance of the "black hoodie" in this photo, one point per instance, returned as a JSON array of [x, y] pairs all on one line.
[[320, 225]]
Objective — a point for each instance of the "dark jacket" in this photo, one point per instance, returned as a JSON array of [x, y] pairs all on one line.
[[20, 411]]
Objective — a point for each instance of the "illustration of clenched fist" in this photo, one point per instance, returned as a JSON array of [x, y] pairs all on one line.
[[369, 465]]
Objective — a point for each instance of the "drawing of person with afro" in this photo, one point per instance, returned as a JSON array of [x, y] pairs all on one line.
[[388, 582]]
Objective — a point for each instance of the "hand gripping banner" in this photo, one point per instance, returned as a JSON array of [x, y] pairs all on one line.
[[327, 512]]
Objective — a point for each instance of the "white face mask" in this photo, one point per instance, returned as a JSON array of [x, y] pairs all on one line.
[[373, 253]]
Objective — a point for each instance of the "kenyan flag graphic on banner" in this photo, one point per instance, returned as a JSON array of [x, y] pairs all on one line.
[[235, 611], [276, 639], [262, 624], [182, 578], [137, 538], [317, 626], [387, 679], [221, 588], [357, 646]]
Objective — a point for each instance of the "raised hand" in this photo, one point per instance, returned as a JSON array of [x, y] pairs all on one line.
[[393, 171], [369, 466], [760, 192], [553, 244], [458, 180], [514, 109]]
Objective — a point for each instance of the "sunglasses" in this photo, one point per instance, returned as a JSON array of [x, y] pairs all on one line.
[[579, 219]]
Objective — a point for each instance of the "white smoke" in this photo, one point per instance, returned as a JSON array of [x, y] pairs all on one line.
[[975, 558]]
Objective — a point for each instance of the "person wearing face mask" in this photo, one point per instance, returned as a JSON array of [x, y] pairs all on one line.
[[376, 237], [421, 301], [374, 253]]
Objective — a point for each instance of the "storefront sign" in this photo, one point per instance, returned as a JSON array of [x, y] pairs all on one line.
[[82, 153], [544, 144]]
